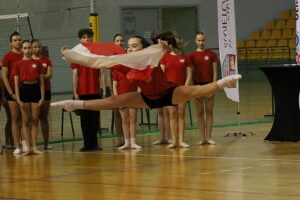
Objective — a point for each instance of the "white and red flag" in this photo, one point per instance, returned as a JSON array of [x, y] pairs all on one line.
[[105, 55]]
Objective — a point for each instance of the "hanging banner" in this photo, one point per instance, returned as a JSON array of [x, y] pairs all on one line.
[[227, 44], [297, 32]]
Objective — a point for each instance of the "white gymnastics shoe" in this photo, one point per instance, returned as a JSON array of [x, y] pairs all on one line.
[[228, 81], [68, 105]]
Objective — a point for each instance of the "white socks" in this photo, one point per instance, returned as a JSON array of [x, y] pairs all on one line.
[[130, 144], [228, 81], [126, 145], [24, 146], [69, 105], [133, 144]]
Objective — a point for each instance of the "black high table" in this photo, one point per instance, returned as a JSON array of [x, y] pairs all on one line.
[[285, 83]]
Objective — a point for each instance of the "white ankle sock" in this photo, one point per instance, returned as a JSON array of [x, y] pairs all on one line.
[[24, 145], [126, 145], [228, 81], [69, 105], [133, 144]]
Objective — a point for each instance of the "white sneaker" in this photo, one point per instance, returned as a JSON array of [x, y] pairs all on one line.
[[24, 146], [48, 146], [68, 105], [17, 151]]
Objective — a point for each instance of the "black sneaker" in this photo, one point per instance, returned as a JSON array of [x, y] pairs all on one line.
[[84, 149], [97, 148]]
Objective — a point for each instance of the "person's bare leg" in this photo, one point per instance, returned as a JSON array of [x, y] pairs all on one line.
[[118, 127], [44, 110], [181, 119], [125, 126], [173, 126], [35, 113], [15, 116], [167, 135], [199, 102], [132, 123], [26, 117], [185, 93], [161, 126], [130, 100], [209, 110], [9, 142]]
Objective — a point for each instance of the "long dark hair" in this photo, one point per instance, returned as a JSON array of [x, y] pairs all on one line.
[[144, 42]]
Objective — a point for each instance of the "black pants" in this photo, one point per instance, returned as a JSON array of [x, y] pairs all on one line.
[[89, 123]]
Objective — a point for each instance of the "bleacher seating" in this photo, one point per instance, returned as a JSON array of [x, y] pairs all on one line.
[[275, 41], [270, 25], [275, 34], [291, 23], [288, 34], [280, 24], [284, 14]]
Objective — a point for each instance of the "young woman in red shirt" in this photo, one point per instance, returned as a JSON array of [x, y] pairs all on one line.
[[157, 91], [205, 71], [118, 40], [123, 85], [178, 69], [30, 92], [46, 70], [9, 87]]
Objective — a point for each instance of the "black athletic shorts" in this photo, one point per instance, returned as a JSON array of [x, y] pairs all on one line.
[[30, 93], [7, 96], [165, 100], [48, 95], [201, 83]]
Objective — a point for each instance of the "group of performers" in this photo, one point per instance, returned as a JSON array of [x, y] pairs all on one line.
[[157, 76]]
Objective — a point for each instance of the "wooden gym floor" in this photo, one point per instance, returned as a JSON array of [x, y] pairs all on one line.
[[237, 168]]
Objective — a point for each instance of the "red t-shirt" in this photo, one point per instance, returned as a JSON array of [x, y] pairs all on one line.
[[157, 86], [202, 63], [45, 63], [175, 67], [88, 80], [27, 70], [124, 85], [8, 61]]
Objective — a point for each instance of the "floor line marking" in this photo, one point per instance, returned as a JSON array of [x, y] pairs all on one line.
[[172, 156], [180, 188]]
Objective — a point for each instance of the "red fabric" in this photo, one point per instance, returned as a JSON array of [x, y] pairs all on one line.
[[141, 75], [175, 67], [8, 60], [105, 49], [157, 86], [88, 80], [45, 63], [27, 70], [124, 85], [120, 68], [134, 74], [202, 63]]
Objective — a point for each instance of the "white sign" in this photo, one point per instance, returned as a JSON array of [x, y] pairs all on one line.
[[227, 44]]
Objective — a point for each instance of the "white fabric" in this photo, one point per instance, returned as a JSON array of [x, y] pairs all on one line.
[[227, 43], [137, 60]]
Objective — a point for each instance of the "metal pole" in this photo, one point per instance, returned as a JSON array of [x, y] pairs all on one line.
[[18, 8], [92, 6]]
